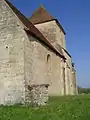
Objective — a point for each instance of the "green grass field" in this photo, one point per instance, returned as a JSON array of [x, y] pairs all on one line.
[[58, 108]]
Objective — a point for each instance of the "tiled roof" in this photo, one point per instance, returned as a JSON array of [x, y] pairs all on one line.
[[40, 15]]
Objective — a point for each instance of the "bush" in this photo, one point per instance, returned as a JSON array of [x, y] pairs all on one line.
[[83, 90]]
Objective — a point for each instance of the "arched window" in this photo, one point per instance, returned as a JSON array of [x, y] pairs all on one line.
[[48, 58], [49, 68]]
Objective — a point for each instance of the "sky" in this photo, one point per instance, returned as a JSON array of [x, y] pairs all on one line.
[[74, 15]]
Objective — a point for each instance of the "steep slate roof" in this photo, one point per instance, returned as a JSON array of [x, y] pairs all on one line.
[[41, 16], [30, 28]]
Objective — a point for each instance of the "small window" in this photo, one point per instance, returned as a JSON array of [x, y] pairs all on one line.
[[48, 57]]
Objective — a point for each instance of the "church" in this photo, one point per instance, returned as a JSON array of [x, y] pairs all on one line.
[[34, 61]]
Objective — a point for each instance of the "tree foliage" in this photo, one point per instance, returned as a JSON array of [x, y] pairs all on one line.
[[83, 90]]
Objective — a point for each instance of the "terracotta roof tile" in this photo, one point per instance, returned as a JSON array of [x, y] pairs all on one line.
[[40, 15]]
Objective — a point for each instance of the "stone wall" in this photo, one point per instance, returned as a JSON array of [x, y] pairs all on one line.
[[27, 65], [56, 77], [38, 94], [18, 62], [68, 74], [46, 68], [74, 83], [35, 71], [12, 39], [28, 70], [52, 32], [24, 62]]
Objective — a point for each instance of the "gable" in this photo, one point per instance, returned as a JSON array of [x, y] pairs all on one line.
[[52, 32]]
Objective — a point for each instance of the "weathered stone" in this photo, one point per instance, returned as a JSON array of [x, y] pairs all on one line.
[[55, 35], [38, 94], [29, 69]]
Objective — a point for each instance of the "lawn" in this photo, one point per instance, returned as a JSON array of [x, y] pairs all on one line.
[[58, 108]]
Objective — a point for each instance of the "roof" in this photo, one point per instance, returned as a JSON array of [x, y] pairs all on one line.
[[58, 47], [41, 15], [29, 27], [67, 52]]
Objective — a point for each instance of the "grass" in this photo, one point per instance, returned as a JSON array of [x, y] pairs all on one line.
[[58, 108]]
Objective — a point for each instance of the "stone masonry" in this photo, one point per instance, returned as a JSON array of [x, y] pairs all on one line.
[[34, 63], [55, 35]]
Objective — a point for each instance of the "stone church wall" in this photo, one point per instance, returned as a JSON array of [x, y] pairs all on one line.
[[46, 68], [74, 82], [18, 62], [35, 71], [56, 78], [68, 72], [11, 57], [27, 66], [52, 32]]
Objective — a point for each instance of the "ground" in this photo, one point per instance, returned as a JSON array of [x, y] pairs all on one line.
[[58, 108]]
